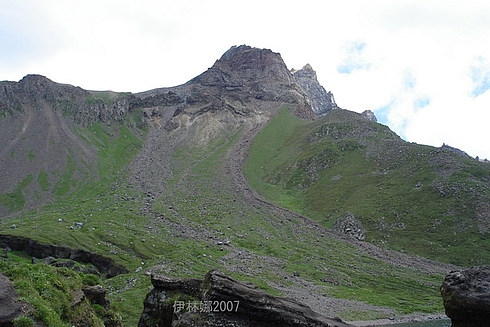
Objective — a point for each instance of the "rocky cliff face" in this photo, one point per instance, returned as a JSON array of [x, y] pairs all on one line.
[[243, 66], [219, 301], [33, 89], [36, 92], [320, 100], [243, 76]]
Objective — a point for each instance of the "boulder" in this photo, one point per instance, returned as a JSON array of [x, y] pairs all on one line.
[[219, 300], [10, 308], [466, 297], [96, 294]]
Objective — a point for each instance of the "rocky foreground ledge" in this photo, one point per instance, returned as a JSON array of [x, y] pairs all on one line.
[[466, 297], [220, 301]]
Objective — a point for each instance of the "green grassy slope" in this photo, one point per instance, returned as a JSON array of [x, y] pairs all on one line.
[[408, 197], [97, 202], [201, 207]]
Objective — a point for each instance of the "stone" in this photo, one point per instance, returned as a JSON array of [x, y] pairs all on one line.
[[10, 308], [220, 300], [466, 297], [96, 294]]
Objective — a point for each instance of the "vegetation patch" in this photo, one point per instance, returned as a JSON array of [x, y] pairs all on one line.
[[50, 291], [43, 181], [15, 200], [408, 197]]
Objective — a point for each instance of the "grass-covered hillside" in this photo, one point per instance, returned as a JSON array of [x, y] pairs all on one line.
[[162, 203], [409, 197]]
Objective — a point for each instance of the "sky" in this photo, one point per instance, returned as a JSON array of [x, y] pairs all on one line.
[[423, 67]]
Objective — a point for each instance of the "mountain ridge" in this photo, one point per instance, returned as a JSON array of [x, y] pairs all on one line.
[[161, 188]]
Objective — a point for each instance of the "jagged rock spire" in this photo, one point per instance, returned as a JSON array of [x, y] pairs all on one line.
[[320, 100]]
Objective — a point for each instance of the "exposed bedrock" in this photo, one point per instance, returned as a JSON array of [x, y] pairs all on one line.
[[466, 297], [219, 301]]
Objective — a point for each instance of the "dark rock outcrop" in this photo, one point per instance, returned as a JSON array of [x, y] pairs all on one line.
[[320, 100], [10, 308], [219, 300], [84, 107], [349, 225], [38, 250], [369, 115], [96, 294], [466, 297], [457, 151], [35, 88]]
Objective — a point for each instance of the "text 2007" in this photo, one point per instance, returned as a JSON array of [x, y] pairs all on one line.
[[224, 306]]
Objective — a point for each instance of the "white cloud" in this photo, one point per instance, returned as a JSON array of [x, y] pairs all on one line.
[[354, 58]]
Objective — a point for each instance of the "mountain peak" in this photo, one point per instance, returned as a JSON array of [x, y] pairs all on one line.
[[235, 49], [40, 87], [34, 83], [245, 73], [321, 101], [242, 65]]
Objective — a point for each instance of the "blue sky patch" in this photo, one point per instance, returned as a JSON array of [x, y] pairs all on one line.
[[480, 75], [421, 102], [382, 113], [354, 59]]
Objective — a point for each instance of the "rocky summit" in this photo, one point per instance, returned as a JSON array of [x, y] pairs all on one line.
[[248, 174]]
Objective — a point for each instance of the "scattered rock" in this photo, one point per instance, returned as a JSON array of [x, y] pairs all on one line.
[[349, 225], [466, 297]]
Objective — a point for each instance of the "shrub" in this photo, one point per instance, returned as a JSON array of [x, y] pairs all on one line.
[[23, 321]]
